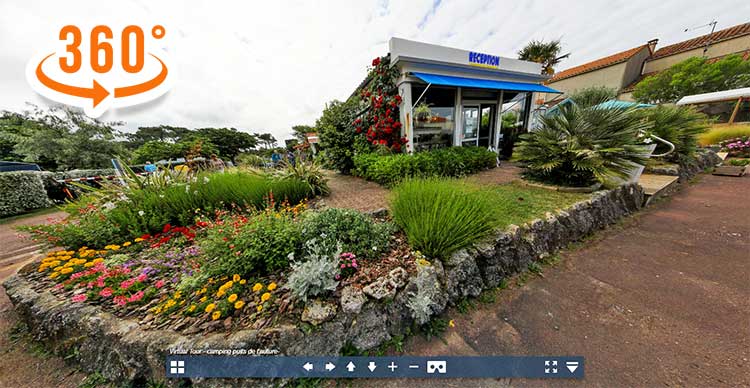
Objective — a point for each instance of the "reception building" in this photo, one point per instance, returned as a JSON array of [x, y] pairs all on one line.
[[455, 97]]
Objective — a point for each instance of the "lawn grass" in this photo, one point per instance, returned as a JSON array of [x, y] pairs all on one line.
[[718, 134], [516, 203]]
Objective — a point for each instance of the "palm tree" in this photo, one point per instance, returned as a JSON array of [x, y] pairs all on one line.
[[546, 53], [581, 146]]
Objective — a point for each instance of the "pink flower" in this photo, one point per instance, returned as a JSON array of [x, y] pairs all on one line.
[[120, 300], [142, 277], [105, 293], [136, 297], [79, 298], [354, 263], [159, 284], [76, 275], [343, 266], [126, 283], [100, 282]]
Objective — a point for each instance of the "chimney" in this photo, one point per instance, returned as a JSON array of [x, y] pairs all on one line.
[[652, 45]]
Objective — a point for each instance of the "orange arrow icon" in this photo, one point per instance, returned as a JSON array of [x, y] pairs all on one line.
[[126, 91], [96, 93]]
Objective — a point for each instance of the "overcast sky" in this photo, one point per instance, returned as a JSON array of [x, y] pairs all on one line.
[[265, 66]]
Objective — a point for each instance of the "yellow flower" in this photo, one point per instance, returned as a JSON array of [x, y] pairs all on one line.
[[451, 323], [126, 244], [54, 275], [66, 270], [220, 293], [203, 299], [272, 286], [177, 295], [239, 304], [232, 298], [216, 315], [191, 308], [89, 265], [57, 268], [243, 281], [265, 297], [259, 308], [236, 278], [138, 240], [257, 287], [210, 307], [170, 303]]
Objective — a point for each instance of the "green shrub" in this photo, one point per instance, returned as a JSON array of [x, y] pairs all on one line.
[[388, 170], [718, 134], [680, 125], [581, 146], [309, 172], [147, 210], [251, 246], [593, 95], [441, 216], [85, 230], [354, 231], [21, 191], [316, 273]]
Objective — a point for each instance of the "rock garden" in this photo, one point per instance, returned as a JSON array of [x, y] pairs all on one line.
[[250, 258]]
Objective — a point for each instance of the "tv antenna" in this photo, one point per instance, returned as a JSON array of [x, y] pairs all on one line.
[[708, 42]]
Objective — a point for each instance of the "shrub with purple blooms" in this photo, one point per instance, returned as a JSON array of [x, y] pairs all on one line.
[[738, 147]]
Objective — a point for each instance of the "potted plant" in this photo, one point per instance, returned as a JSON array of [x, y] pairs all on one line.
[[422, 112]]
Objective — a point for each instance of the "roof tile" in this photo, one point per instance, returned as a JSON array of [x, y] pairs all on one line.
[[597, 64], [690, 44]]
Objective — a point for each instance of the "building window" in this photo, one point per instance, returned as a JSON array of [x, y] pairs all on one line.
[[434, 117]]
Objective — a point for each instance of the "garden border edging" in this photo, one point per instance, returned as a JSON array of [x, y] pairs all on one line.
[[120, 350]]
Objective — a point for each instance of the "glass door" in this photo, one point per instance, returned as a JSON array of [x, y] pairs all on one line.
[[486, 124], [470, 121]]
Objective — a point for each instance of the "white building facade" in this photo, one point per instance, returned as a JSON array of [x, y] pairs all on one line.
[[454, 97]]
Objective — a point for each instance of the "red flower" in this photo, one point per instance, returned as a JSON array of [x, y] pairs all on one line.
[[376, 61], [383, 142], [166, 229]]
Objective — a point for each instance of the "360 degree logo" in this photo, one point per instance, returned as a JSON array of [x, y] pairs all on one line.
[[104, 71]]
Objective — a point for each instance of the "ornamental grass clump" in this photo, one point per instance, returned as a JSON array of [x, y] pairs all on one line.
[[583, 146], [441, 216]]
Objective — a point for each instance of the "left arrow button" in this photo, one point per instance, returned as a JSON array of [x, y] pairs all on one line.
[[308, 366]]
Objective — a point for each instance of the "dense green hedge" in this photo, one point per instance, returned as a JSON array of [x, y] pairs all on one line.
[[388, 170], [21, 191]]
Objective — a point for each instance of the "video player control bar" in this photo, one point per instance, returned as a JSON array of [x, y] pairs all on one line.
[[205, 366]]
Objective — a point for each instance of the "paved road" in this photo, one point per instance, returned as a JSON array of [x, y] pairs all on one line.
[[663, 300]]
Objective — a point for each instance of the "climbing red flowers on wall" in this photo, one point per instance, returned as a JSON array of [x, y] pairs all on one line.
[[380, 123]]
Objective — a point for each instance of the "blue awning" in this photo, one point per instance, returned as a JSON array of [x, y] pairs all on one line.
[[464, 82]]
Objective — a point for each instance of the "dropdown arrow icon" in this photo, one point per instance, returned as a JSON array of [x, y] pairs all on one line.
[[572, 366], [371, 366]]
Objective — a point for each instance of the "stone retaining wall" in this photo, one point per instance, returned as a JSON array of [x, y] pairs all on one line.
[[120, 350], [704, 158]]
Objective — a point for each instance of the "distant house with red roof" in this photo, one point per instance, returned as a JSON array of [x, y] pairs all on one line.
[[625, 69], [613, 71]]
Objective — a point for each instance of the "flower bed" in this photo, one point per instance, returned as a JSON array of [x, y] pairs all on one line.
[[156, 286]]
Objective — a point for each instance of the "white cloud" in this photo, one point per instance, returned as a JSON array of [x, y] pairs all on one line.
[[265, 66]]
